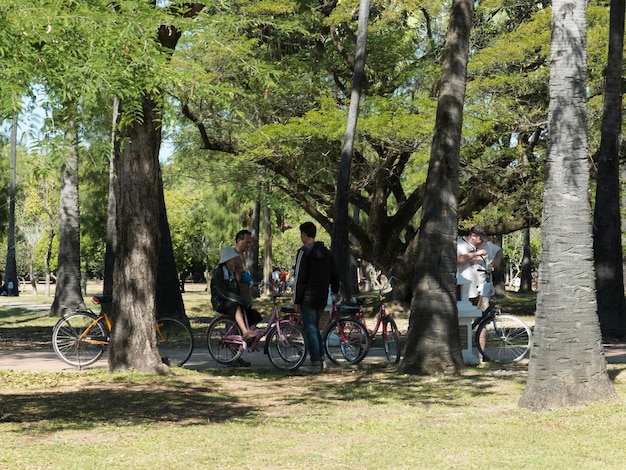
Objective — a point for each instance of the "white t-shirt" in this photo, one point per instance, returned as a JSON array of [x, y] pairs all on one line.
[[469, 269]]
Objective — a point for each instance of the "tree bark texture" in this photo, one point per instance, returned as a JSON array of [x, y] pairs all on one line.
[[111, 235], [68, 292], [567, 365], [607, 221], [433, 343], [138, 217], [526, 276]]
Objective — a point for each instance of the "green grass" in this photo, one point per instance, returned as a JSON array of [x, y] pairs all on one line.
[[367, 417]]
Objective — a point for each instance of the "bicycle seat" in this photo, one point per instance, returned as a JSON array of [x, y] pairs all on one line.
[[349, 310], [288, 309], [102, 299]]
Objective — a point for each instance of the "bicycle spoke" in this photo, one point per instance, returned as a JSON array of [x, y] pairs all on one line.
[[224, 340], [174, 340], [346, 342], [286, 347], [79, 339], [503, 339]]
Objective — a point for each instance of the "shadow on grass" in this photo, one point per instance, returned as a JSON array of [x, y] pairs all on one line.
[[122, 404], [210, 397]]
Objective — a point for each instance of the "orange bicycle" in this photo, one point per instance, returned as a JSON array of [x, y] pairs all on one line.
[[80, 337]]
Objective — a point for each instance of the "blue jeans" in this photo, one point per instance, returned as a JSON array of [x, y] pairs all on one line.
[[310, 320]]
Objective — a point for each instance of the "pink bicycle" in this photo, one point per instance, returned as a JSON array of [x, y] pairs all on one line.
[[284, 340]]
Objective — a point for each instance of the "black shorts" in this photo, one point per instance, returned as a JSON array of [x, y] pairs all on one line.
[[229, 307]]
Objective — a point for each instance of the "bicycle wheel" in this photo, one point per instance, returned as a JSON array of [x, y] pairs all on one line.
[[80, 338], [174, 340], [391, 339], [223, 339], [287, 348], [346, 342], [503, 338]]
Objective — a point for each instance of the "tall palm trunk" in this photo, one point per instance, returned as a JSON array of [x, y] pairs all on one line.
[[567, 365]]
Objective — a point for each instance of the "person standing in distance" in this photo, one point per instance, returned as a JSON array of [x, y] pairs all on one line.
[[315, 271]]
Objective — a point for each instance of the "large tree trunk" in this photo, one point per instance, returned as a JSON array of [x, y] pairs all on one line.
[[433, 343], [607, 237], [567, 365], [138, 216], [68, 294]]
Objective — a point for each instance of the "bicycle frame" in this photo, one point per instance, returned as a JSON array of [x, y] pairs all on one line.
[[103, 316], [84, 336], [382, 313], [274, 320]]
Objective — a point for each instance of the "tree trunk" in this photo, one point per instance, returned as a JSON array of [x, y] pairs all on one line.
[[169, 298], [433, 343], [267, 248], [567, 365], [68, 294], [137, 222], [11, 263], [253, 253], [111, 235], [607, 236], [47, 262], [526, 276], [340, 242]]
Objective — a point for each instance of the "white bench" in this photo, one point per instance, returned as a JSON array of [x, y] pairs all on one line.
[[467, 314]]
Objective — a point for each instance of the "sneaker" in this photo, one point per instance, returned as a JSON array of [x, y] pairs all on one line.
[[241, 363], [318, 365]]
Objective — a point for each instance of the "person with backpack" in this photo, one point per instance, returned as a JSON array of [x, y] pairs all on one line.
[[226, 297]]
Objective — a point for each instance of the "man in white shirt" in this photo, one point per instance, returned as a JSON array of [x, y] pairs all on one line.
[[476, 258]]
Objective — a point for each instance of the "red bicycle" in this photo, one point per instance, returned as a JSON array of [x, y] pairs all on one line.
[[345, 339], [390, 333]]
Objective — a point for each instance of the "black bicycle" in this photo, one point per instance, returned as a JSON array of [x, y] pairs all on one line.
[[501, 338]]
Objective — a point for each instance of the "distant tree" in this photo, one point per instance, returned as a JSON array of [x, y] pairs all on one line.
[[11, 264], [567, 365], [340, 238], [68, 292]]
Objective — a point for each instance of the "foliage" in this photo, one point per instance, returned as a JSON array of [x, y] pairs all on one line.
[[268, 84], [513, 246]]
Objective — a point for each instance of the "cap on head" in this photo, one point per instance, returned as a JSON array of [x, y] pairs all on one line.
[[227, 253], [479, 231]]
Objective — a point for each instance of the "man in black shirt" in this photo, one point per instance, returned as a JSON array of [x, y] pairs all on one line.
[[315, 271]]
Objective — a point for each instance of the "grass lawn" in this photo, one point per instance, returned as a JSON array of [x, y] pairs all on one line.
[[367, 417]]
